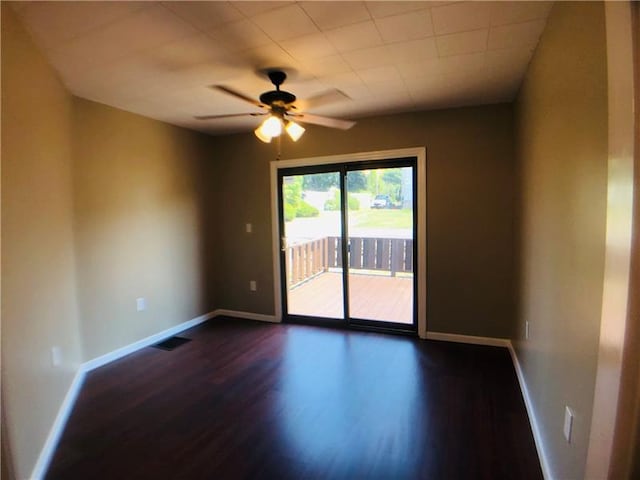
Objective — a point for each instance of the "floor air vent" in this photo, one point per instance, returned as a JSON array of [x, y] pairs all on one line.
[[171, 343]]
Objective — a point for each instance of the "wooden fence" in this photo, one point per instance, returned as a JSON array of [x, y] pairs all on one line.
[[308, 259]]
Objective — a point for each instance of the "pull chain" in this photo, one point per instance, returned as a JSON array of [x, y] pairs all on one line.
[[279, 143]]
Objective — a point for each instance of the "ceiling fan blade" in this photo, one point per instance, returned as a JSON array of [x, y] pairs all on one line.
[[241, 96], [325, 98], [231, 115], [324, 121]]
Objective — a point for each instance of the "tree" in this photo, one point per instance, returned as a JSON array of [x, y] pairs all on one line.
[[292, 191], [392, 183], [320, 182], [294, 205], [392, 176], [356, 181]]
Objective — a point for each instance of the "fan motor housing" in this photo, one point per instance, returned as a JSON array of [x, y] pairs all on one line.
[[277, 97]]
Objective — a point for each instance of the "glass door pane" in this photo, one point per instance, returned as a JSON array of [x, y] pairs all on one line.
[[380, 238], [312, 245]]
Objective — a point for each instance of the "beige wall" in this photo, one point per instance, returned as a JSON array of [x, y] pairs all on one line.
[[39, 302], [561, 136], [139, 225], [99, 207], [470, 193]]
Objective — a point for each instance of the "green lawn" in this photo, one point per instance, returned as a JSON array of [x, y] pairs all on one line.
[[382, 218]]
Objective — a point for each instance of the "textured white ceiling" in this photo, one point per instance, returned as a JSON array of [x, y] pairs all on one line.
[[157, 58]]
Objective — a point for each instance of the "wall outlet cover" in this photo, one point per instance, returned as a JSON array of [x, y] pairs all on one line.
[[252, 285], [56, 356], [568, 423], [141, 304]]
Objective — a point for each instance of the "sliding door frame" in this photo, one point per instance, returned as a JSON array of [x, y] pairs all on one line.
[[384, 325], [323, 321], [420, 266]]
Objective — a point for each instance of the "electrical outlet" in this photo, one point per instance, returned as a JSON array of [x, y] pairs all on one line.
[[249, 227], [252, 285], [141, 304], [526, 330], [56, 356], [568, 423]]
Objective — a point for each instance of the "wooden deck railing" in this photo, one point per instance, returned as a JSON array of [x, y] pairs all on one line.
[[307, 259]]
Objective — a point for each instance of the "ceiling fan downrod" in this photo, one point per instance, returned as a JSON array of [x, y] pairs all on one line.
[[277, 97], [277, 77]]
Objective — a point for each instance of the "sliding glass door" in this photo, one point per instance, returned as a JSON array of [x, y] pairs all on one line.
[[312, 244], [381, 240], [363, 212]]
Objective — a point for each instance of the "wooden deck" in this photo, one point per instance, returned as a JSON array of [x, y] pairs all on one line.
[[372, 297]]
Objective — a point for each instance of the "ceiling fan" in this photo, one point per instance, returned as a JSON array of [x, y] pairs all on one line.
[[283, 109]]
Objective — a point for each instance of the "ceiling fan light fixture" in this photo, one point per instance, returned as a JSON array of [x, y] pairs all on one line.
[[294, 130], [264, 138], [271, 127]]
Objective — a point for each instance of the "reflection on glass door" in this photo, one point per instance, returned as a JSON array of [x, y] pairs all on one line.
[[312, 245], [380, 238]]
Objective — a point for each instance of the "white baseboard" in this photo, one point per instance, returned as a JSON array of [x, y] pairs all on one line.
[[145, 342], [158, 337], [42, 464], [246, 315], [454, 337], [66, 407], [504, 342], [533, 421], [50, 444]]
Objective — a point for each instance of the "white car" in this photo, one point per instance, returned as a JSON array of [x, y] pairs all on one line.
[[381, 201]]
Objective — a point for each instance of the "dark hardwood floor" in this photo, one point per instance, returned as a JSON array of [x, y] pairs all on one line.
[[253, 400]]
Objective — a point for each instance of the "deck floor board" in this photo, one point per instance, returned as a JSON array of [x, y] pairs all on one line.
[[372, 297]]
